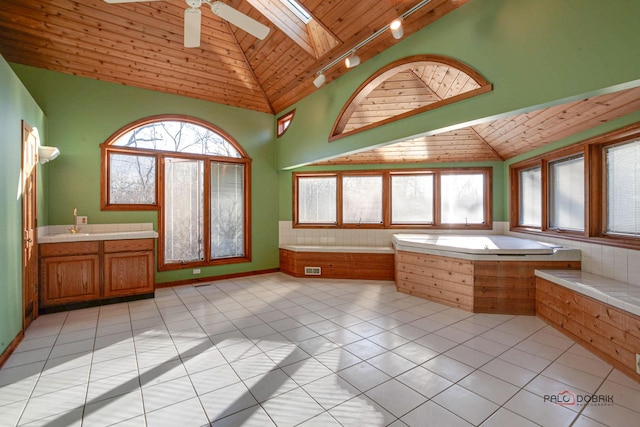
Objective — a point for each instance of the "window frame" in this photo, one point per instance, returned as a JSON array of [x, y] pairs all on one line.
[[595, 186], [107, 148], [387, 197], [284, 122]]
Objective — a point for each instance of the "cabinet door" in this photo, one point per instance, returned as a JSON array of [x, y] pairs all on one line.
[[69, 279], [128, 273]]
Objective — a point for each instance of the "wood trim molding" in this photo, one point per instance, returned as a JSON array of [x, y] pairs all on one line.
[[11, 348], [215, 278]]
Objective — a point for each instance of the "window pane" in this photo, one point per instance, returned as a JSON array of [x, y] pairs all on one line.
[[132, 179], [183, 137], [531, 197], [227, 210], [317, 200], [412, 199], [623, 188], [566, 204], [362, 199], [462, 198], [183, 211]]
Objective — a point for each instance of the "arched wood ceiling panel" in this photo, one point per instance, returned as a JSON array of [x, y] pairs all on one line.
[[407, 87]]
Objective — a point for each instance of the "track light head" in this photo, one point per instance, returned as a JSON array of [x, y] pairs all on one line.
[[352, 60], [319, 80], [396, 28]]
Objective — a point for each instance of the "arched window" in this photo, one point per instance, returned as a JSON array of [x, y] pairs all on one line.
[[407, 87], [195, 175]]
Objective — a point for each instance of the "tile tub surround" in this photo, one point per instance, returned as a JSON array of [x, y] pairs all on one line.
[[275, 350], [288, 235], [60, 233], [615, 263]]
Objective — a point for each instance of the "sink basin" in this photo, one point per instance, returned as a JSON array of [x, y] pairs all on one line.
[[68, 235]]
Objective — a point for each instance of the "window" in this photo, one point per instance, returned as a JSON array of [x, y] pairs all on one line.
[[566, 194], [531, 197], [412, 199], [284, 122], [463, 198], [589, 191], [394, 199], [298, 10], [362, 199], [196, 177], [133, 179], [622, 165], [317, 200]]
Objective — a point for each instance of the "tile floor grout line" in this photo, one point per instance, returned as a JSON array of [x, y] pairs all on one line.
[[330, 304]]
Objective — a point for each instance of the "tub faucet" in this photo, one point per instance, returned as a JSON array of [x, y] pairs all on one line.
[[74, 229]]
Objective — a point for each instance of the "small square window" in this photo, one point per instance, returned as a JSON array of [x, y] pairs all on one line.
[[463, 198], [317, 200]]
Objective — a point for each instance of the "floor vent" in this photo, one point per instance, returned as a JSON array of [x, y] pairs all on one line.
[[312, 271]]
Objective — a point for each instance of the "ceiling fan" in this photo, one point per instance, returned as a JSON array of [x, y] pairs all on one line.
[[192, 17]]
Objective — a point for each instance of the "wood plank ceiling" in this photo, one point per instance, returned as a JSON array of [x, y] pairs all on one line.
[[141, 44], [504, 138]]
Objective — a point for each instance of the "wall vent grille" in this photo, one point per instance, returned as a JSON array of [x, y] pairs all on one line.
[[312, 271]]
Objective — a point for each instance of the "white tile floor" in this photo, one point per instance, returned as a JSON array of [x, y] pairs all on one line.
[[275, 350]]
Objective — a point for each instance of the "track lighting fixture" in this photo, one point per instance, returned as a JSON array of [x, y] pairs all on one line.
[[396, 28], [352, 60], [319, 80]]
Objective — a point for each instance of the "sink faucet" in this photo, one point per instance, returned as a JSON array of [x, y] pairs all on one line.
[[74, 229]]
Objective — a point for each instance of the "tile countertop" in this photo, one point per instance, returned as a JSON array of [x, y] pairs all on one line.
[[61, 233]]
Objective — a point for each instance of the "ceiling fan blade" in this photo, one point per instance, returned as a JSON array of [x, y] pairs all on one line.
[[240, 20], [192, 18]]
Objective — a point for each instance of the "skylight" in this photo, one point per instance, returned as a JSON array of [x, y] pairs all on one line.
[[298, 10]]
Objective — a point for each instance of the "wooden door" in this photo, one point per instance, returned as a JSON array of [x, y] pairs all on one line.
[[29, 224]]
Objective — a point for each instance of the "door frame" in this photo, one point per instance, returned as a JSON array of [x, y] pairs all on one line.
[[29, 234]]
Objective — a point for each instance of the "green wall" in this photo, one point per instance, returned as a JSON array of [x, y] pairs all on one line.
[[535, 52], [83, 113], [16, 104]]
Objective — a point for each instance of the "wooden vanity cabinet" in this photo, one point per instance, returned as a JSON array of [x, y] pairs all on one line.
[[80, 272], [69, 272], [128, 267]]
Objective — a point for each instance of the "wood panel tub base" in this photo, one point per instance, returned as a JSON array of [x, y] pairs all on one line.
[[338, 265], [498, 287], [607, 331]]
